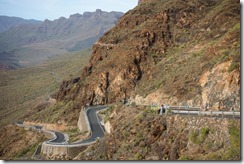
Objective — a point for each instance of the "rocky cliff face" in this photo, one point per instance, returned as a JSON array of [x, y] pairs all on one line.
[[175, 52], [142, 1]]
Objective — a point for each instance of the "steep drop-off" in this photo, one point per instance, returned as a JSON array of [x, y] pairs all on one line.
[[177, 52]]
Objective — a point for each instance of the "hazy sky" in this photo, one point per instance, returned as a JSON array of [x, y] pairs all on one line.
[[53, 9]]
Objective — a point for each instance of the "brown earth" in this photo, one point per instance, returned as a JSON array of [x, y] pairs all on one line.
[[179, 52], [164, 48], [17, 143], [143, 1], [57, 127], [140, 134]]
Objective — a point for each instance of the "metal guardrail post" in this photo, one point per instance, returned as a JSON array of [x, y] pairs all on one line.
[[233, 114], [211, 112], [222, 114]]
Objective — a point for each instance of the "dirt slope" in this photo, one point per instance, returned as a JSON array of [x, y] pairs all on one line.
[[177, 52]]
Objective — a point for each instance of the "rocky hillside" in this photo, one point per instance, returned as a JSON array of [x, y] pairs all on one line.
[[17, 143], [142, 1], [8, 22], [178, 52], [30, 44], [139, 134]]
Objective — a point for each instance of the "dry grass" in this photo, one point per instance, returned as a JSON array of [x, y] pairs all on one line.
[[17, 143], [23, 89]]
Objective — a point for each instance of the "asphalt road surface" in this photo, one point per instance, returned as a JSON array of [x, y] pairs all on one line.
[[97, 130]]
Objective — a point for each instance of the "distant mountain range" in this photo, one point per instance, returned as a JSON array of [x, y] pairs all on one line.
[[7, 22], [32, 43]]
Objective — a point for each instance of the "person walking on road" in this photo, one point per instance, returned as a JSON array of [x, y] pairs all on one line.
[[162, 109]]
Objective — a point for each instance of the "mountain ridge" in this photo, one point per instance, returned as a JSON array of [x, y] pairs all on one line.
[[171, 52], [7, 22], [144, 60], [51, 38]]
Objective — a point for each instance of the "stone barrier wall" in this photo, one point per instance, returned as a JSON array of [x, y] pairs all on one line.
[[60, 152]]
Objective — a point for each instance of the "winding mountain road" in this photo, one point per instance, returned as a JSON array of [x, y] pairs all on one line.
[[96, 129]]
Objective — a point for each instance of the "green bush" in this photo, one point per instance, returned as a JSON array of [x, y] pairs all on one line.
[[193, 136], [233, 66], [203, 134], [184, 157], [234, 150], [133, 104], [198, 137], [169, 111]]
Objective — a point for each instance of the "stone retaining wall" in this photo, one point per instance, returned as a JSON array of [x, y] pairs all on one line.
[[61, 152], [82, 124]]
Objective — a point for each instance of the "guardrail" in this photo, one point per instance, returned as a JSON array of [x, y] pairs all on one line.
[[189, 110], [234, 114], [52, 133], [54, 136], [156, 106], [67, 145], [76, 144], [64, 144]]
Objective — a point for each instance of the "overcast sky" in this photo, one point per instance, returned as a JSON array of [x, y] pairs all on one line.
[[53, 9]]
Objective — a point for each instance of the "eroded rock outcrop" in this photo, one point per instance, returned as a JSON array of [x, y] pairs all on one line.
[[175, 52]]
